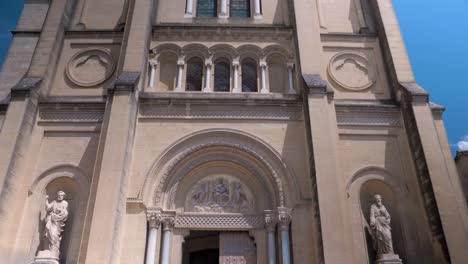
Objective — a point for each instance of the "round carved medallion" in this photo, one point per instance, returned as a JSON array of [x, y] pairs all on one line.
[[90, 67], [351, 71]]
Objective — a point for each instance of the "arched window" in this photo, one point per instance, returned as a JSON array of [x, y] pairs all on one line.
[[207, 8], [277, 74], [222, 76], [194, 74], [240, 8], [249, 75], [167, 72]]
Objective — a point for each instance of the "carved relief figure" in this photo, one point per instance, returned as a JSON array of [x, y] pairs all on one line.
[[380, 227], [220, 194], [239, 197], [57, 214]]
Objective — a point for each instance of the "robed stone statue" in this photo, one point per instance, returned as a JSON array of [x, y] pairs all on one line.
[[57, 214], [382, 232]]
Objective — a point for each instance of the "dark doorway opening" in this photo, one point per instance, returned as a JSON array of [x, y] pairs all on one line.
[[207, 256], [201, 247]]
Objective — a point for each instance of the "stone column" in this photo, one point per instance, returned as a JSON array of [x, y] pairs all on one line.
[[180, 72], [235, 77], [284, 219], [291, 78], [168, 226], [189, 9], [270, 225], [223, 9], [207, 87], [153, 65], [154, 221], [257, 9], [263, 66]]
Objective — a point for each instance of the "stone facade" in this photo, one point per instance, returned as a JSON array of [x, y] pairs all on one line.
[[257, 135], [461, 161]]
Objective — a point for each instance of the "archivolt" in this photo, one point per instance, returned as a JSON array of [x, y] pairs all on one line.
[[157, 178]]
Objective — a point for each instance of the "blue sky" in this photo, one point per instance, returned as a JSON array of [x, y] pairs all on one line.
[[436, 37]]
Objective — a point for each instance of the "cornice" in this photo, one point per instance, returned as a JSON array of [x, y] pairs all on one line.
[[220, 106], [202, 31], [71, 111]]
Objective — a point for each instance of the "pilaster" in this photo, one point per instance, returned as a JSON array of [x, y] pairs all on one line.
[[109, 204], [437, 174], [323, 130]]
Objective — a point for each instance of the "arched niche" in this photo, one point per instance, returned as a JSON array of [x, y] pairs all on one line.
[[75, 184], [361, 189], [368, 190]]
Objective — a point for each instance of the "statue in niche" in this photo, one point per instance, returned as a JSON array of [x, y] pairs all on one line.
[[381, 232], [57, 214]]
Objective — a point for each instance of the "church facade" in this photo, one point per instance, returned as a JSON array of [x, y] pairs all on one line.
[[221, 131]]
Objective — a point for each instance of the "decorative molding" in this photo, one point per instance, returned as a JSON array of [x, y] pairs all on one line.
[[201, 31], [219, 221], [210, 54], [90, 67], [368, 119], [246, 113], [71, 112], [220, 142], [351, 71]]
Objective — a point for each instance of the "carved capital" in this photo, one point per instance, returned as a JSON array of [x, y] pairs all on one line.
[[154, 219], [290, 65], [270, 221], [284, 217], [168, 222], [153, 63], [181, 61]]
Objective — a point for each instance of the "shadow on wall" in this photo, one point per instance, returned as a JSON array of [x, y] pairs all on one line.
[[368, 190]]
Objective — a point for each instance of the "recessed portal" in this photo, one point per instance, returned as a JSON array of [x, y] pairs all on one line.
[[212, 247]]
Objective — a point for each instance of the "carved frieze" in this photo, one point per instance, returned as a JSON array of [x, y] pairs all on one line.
[[90, 67], [220, 194], [351, 71]]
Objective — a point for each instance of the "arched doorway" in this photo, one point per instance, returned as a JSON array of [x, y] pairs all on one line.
[[219, 191]]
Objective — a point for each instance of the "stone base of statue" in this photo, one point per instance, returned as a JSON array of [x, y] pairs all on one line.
[[388, 259], [46, 257]]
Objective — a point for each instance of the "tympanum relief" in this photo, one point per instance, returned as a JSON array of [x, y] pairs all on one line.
[[220, 194], [351, 71]]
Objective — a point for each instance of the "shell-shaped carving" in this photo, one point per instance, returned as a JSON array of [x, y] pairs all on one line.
[[90, 67], [351, 71]]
